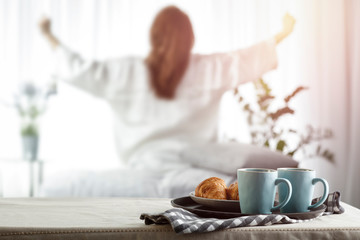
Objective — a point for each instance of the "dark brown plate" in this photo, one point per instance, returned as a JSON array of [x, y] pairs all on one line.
[[203, 211], [218, 204]]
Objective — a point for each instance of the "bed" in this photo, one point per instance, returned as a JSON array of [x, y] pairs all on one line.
[[198, 163]]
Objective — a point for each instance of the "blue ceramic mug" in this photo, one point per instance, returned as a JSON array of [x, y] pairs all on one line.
[[302, 181], [257, 188]]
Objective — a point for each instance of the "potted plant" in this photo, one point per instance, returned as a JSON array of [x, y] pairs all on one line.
[[266, 130], [30, 102]]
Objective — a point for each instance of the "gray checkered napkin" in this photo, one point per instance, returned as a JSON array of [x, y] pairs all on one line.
[[183, 221]]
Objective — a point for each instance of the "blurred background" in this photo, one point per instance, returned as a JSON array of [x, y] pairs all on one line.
[[75, 129]]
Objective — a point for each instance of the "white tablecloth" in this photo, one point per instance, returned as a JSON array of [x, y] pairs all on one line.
[[118, 218]]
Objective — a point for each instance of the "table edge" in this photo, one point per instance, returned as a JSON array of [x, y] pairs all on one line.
[[20, 232]]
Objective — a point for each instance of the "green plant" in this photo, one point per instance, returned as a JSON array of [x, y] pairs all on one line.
[[29, 117], [30, 102], [29, 130], [265, 129]]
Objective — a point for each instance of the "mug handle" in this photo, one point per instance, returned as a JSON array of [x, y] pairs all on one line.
[[288, 195], [326, 192]]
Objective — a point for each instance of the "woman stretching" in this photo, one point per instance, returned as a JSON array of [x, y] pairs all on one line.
[[169, 100]]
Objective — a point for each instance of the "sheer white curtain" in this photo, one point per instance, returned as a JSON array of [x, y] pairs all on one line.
[[330, 50], [322, 53], [353, 99]]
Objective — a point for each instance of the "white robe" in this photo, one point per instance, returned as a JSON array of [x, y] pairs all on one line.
[[151, 132]]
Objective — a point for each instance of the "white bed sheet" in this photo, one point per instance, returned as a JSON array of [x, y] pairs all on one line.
[[127, 183], [174, 174]]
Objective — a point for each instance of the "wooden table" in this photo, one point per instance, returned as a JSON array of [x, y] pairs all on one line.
[[118, 218]]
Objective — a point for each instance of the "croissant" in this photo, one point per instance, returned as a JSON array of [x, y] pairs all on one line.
[[232, 192], [214, 188]]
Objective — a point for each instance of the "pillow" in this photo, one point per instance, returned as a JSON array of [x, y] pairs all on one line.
[[228, 157]]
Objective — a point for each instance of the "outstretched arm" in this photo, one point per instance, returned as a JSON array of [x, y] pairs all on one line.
[[249, 64], [288, 26], [45, 27], [89, 75]]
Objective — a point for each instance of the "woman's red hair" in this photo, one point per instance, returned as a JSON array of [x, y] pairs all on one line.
[[172, 39]]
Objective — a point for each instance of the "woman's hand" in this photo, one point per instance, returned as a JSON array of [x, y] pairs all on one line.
[[45, 25], [288, 23], [288, 27], [45, 28]]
